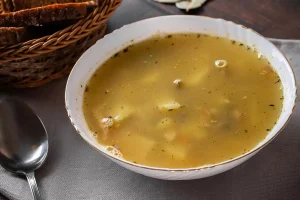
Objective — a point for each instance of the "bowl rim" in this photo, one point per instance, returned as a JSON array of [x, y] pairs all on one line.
[[205, 167]]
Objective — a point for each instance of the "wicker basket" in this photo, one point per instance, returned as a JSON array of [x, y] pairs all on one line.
[[36, 62]]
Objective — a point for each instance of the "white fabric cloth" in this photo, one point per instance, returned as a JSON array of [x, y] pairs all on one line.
[[74, 170]]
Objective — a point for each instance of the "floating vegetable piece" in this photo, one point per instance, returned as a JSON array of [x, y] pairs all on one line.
[[221, 63], [188, 5], [177, 82]]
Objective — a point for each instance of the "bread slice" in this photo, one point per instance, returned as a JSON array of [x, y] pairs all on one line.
[[16, 5], [12, 35], [42, 15]]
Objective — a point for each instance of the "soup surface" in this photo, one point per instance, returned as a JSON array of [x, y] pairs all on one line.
[[183, 101]]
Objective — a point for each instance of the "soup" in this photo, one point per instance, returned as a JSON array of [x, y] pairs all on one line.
[[183, 101]]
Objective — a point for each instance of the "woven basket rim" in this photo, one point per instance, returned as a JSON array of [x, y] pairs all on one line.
[[61, 38]]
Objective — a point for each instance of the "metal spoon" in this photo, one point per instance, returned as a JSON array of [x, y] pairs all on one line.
[[23, 140]]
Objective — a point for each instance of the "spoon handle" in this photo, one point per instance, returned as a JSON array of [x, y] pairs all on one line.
[[33, 186]]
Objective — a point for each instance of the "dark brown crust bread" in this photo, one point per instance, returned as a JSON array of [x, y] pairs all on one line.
[[45, 14], [16, 5], [12, 35]]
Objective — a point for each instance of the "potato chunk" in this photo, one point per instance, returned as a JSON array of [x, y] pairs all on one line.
[[197, 78], [176, 151], [170, 135], [123, 113], [200, 133], [142, 144]]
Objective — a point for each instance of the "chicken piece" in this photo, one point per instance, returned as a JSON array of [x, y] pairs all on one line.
[[170, 106], [110, 122], [105, 125], [114, 151], [178, 82], [107, 122]]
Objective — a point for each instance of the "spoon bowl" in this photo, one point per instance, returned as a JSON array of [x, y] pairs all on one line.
[[23, 140]]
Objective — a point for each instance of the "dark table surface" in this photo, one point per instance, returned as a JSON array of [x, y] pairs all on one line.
[[271, 18]]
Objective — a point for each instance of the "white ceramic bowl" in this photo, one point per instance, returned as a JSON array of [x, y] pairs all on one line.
[[116, 41]]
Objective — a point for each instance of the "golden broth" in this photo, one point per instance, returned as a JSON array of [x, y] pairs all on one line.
[[165, 102]]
